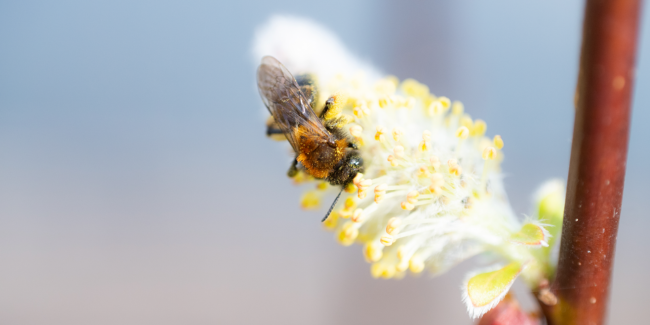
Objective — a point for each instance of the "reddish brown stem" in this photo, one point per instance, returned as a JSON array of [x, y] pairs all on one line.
[[598, 158]]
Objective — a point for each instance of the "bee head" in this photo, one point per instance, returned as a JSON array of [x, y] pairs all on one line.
[[345, 171]]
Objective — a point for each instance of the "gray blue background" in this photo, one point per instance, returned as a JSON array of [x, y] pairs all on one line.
[[137, 187]]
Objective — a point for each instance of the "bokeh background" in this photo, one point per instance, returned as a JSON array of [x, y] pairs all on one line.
[[137, 187]]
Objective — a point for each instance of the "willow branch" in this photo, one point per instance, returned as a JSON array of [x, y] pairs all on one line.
[[598, 160]]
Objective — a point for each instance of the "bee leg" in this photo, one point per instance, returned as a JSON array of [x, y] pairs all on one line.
[[352, 145], [329, 104], [273, 130], [293, 170]]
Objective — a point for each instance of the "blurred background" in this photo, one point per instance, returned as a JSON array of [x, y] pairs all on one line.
[[137, 186]]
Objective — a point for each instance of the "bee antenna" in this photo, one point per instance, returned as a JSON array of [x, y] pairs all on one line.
[[333, 204]]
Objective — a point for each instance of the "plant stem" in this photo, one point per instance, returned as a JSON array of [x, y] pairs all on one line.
[[598, 160]]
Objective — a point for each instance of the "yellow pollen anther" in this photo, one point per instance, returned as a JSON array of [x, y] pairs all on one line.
[[401, 252], [436, 108], [457, 108], [387, 240], [407, 206], [350, 203], [392, 226], [365, 183], [454, 169], [392, 160], [437, 181], [498, 142], [426, 136], [380, 191], [435, 162], [321, 186], [310, 200], [462, 132], [416, 264], [379, 136], [362, 194], [383, 102], [412, 197], [444, 101], [330, 222], [350, 188], [467, 122], [356, 216], [423, 146], [397, 134], [489, 153], [347, 234], [423, 171], [409, 103], [479, 128], [402, 266], [357, 179], [373, 252], [360, 111], [356, 131], [399, 151]]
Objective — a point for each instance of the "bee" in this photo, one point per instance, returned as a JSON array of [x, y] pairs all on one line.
[[322, 149]]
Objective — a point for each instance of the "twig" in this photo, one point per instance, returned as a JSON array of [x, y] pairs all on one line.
[[598, 160]]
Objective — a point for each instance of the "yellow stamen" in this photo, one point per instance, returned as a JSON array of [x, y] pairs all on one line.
[[489, 153], [399, 151], [356, 216], [416, 264], [462, 132], [387, 240], [457, 108], [498, 142], [392, 225], [407, 206], [435, 162], [379, 136], [479, 128], [373, 252], [397, 134], [437, 181], [356, 131]]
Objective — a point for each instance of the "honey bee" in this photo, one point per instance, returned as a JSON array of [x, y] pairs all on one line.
[[322, 149]]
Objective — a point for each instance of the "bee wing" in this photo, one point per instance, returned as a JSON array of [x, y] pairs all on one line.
[[290, 108]]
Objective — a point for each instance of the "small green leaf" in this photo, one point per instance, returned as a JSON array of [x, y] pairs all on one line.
[[485, 290], [531, 235]]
